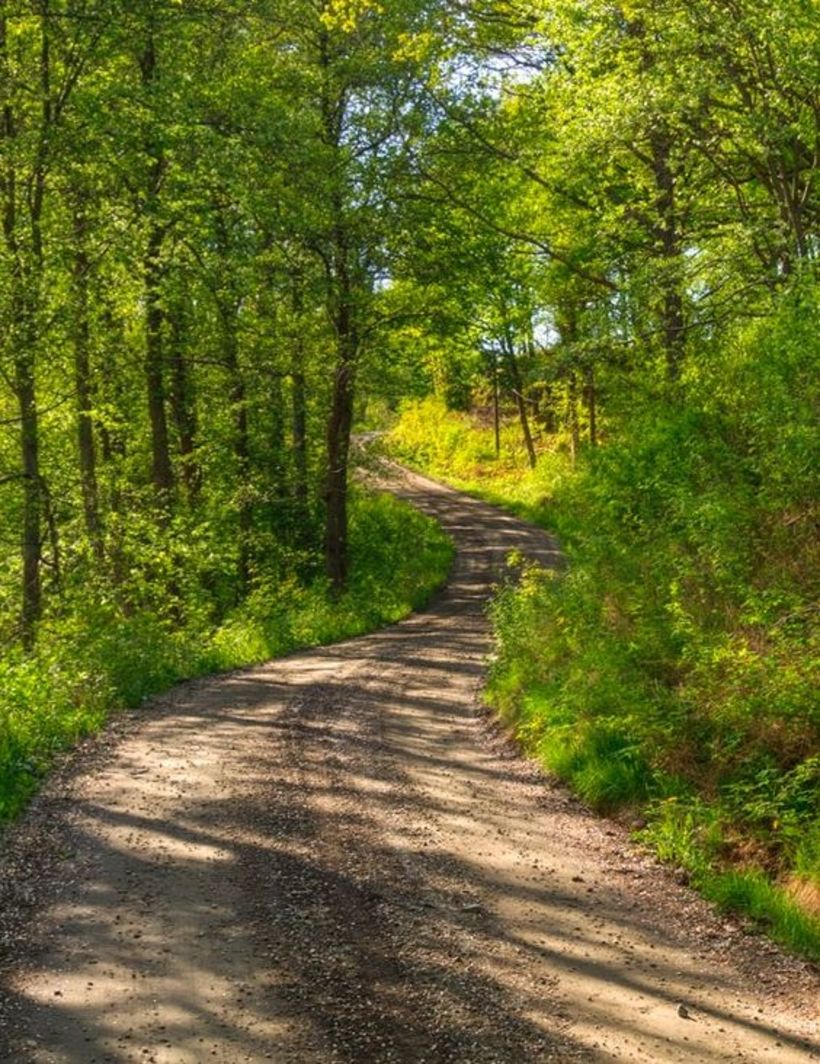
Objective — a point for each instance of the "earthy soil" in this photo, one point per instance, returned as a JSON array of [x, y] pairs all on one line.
[[338, 857]]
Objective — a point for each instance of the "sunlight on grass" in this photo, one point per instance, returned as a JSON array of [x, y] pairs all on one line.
[[671, 669]]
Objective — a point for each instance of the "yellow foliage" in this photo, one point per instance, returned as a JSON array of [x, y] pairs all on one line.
[[344, 15], [414, 47]]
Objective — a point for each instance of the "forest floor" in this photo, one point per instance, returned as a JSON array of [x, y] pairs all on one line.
[[338, 857]]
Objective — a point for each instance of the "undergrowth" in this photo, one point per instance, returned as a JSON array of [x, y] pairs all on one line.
[[97, 660], [458, 448], [672, 670]]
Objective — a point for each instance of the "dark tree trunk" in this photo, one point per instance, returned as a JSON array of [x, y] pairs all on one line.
[[25, 258], [523, 417], [112, 451], [343, 313], [237, 394], [496, 409], [520, 400], [162, 474], [339, 428], [22, 343], [228, 303], [183, 405], [298, 407], [161, 471], [277, 465], [32, 606], [340, 424], [299, 434], [84, 386]]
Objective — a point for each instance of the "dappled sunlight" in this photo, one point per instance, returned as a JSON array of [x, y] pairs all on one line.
[[330, 857]]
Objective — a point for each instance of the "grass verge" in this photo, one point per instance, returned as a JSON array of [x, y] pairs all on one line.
[[670, 674]]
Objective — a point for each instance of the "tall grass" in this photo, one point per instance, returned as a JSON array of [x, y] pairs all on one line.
[[460, 449]]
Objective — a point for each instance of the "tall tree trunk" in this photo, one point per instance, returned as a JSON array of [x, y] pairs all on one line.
[[343, 314], [32, 547], [83, 384], [21, 340], [238, 397], [161, 469], [665, 228], [277, 465], [299, 437], [496, 409], [113, 451], [25, 256], [162, 474], [340, 422], [298, 405], [520, 400], [339, 428], [228, 302], [183, 403]]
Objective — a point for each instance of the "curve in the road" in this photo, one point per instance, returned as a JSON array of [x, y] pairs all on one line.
[[334, 857]]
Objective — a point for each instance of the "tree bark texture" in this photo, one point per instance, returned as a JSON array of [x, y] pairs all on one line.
[[183, 404], [520, 400], [83, 384], [162, 473]]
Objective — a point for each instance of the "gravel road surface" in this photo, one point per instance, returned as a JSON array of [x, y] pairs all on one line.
[[338, 857]]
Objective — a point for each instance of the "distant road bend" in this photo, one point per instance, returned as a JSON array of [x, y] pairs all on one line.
[[335, 857]]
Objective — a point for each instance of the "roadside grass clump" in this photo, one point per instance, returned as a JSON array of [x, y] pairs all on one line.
[[692, 835], [670, 674], [753, 893], [96, 659], [731, 798], [398, 557]]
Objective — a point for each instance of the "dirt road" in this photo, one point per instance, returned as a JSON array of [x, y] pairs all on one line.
[[334, 858]]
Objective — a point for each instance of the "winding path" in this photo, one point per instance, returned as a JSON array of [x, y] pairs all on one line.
[[335, 857]]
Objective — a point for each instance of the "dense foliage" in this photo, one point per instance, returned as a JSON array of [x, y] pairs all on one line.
[[190, 250], [633, 325]]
